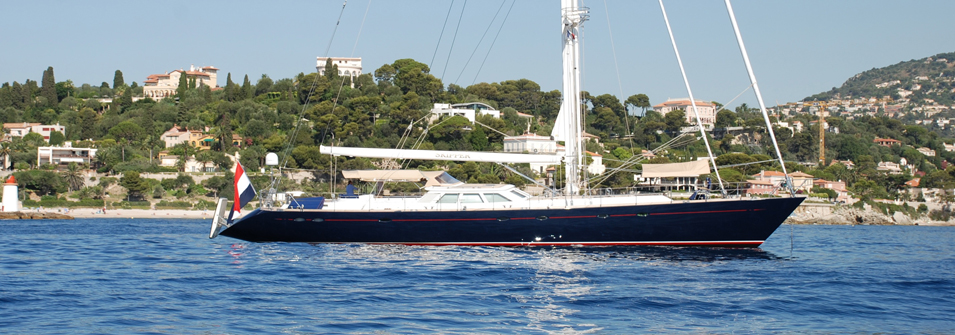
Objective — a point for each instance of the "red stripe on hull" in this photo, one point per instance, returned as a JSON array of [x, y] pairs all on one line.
[[568, 244], [703, 212]]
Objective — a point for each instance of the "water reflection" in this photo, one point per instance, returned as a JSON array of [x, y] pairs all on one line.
[[545, 289]]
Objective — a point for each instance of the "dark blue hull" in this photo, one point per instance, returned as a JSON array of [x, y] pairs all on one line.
[[742, 223]]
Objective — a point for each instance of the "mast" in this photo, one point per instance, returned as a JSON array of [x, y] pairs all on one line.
[[569, 126]]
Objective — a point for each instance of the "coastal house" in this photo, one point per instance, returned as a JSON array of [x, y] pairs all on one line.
[[892, 168], [842, 193], [801, 181], [759, 187], [467, 110], [192, 165], [199, 139], [531, 143], [65, 154], [926, 151], [886, 142], [347, 66], [20, 129], [706, 110], [159, 86], [597, 165]]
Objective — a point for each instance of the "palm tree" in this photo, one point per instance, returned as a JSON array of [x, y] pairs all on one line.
[[204, 157], [5, 149], [185, 151], [74, 176]]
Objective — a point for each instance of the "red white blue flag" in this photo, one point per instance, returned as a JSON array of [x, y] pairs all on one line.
[[244, 192]]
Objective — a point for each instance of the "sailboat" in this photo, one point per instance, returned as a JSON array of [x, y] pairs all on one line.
[[451, 212]]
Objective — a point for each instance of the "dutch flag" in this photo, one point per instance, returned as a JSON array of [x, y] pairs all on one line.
[[244, 192]]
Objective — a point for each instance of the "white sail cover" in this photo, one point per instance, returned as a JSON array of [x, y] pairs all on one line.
[[686, 169], [432, 178], [441, 155]]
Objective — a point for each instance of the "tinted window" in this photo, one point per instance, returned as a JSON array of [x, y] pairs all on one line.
[[448, 199], [471, 198], [494, 197]]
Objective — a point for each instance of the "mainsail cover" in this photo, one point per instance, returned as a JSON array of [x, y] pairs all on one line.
[[431, 178], [686, 169]]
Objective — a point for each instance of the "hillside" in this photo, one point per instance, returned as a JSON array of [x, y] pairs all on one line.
[[921, 81]]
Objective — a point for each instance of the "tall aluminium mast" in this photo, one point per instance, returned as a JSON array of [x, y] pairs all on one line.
[[568, 127]]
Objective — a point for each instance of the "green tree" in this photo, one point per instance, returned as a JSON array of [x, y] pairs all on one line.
[[725, 118], [73, 176], [230, 89], [675, 120], [42, 182], [136, 186], [639, 101], [48, 89], [606, 119], [248, 92], [183, 85], [57, 138], [118, 79], [127, 130], [263, 85]]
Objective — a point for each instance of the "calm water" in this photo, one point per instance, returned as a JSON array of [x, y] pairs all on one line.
[[156, 276]]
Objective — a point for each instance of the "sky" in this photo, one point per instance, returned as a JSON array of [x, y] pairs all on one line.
[[797, 48]]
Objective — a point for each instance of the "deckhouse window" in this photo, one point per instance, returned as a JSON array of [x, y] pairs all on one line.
[[518, 194], [449, 199], [471, 198], [494, 197]]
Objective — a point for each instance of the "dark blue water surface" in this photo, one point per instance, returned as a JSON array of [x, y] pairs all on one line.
[[165, 276]]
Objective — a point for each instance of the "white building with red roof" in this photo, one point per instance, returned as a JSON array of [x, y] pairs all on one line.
[[158, 86], [707, 110]]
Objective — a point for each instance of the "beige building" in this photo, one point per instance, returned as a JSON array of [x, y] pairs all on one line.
[[707, 110], [347, 66], [158, 86], [198, 139]]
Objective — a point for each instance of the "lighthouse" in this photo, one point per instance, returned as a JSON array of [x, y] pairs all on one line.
[[11, 199]]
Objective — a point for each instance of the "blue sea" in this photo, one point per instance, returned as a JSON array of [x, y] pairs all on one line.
[[119, 276]]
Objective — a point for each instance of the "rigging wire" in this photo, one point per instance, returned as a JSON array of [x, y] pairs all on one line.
[[696, 112], [446, 17], [298, 123], [738, 95], [453, 38], [489, 24], [493, 41], [341, 86], [613, 49]]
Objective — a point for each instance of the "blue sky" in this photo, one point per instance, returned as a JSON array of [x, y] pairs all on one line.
[[798, 48]]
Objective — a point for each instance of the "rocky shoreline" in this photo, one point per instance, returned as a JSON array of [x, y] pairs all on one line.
[[34, 216], [845, 215]]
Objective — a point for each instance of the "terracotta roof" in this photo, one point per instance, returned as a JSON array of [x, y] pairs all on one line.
[[594, 154], [914, 182], [210, 68], [800, 174], [769, 174], [876, 140]]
